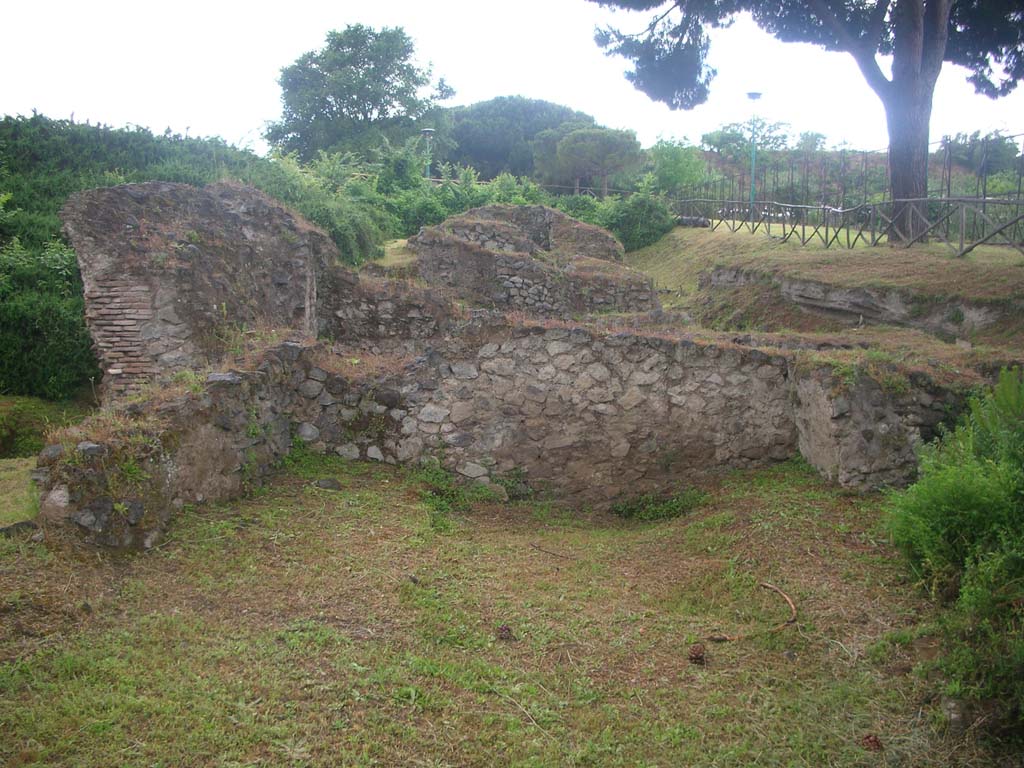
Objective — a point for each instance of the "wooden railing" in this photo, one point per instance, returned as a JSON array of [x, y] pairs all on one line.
[[963, 223]]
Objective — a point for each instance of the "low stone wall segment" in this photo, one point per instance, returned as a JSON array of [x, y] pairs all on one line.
[[540, 284], [591, 417]]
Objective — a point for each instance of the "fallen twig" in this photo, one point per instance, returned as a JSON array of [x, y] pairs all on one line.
[[779, 627], [525, 711], [554, 554]]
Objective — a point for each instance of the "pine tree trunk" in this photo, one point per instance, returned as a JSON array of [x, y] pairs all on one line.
[[908, 112], [919, 35]]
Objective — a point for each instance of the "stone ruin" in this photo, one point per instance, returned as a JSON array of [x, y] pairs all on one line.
[[531, 258], [172, 272], [385, 370]]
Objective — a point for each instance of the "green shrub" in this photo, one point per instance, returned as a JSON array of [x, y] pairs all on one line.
[[638, 220], [46, 347], [988, 660], [971, 488], [415, 208], [962, 528], [357, 226], [960, 506], [650, 507], [582, 207]]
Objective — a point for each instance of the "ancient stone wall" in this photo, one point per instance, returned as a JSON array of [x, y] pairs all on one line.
[[172, 272], [211, 445], [863, 436], [547, 228], [168, 267], [379, 310], [592, 417], [537, 282], [597, 417]]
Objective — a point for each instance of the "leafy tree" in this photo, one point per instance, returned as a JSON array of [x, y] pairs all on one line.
[[597, 152], [362, 85], [732, 141], [810, 142], [496, 136], [987, 154], [675, 166], [985, 36], [546, 166]]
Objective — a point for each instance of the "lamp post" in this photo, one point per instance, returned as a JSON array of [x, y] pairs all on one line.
[[753, 96], [428, 134]]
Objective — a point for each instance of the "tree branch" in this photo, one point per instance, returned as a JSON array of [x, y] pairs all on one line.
[[876, 24], [658, 19], [862, 49], [935, 37]]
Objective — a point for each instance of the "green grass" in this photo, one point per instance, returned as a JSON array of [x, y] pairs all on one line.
[[18, 499], [987, 274], [310, 627], [24, 421]]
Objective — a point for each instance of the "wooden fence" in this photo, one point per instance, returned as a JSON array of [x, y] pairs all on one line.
[[962, 223]]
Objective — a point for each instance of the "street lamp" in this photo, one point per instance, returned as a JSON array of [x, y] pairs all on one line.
[[753, 96], [428, 134]]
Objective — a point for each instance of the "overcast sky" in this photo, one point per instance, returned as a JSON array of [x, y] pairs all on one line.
[[211, 67]]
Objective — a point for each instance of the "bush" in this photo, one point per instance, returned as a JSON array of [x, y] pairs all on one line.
[[46, 347], [415, 208], [357, 226], [582, 207], [970, 494], [989, 622], [650, 507], [962, 528], [638, 220], [960, 507]]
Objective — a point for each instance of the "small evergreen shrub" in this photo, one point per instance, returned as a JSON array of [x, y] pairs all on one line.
[[638, 220]]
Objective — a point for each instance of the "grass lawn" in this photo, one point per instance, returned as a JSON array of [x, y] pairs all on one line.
[[987, 274], [307, 627], [17, 495]]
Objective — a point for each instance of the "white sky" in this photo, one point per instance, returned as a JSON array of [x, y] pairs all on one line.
[[211, 67]]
